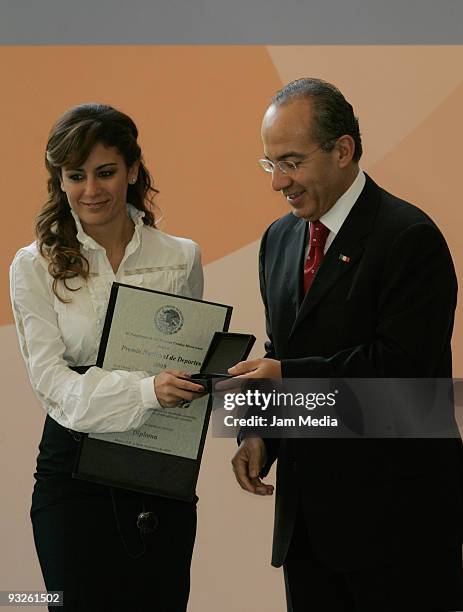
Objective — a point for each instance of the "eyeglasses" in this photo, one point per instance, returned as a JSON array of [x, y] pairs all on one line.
[[286, 166]]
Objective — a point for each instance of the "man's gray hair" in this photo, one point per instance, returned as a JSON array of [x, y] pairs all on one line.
[[333, 115]]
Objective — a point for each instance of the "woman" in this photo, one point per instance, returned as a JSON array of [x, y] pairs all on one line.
[[86, 535]]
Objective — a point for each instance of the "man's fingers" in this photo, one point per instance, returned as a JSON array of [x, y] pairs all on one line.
[[240, 469], [247, 464], [251, 374], [255, 463], [257, 368], [260, 488], [243, 367]]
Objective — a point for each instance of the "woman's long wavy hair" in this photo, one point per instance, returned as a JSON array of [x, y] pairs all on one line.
[[71, 140]]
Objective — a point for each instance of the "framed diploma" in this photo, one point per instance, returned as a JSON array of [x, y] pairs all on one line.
[[150, 331]]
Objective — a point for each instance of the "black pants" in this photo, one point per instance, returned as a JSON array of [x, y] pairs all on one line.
[[428, 583], [89, 547]]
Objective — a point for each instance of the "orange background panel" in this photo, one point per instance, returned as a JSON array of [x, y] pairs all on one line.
[[425, 169], [392, 88], [408, 100], [198, 110]]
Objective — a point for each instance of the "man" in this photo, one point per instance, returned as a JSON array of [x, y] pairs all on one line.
[[365, 525]]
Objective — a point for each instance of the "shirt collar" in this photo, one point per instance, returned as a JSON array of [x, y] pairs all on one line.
[[337, 214], [89, 243]]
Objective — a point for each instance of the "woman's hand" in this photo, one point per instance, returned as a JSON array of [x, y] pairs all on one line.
[[173, 388]]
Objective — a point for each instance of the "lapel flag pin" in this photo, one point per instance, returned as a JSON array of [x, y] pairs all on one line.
[[344, 258]]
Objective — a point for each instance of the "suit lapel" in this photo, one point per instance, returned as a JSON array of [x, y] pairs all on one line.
[[345, 250], [294, 254]]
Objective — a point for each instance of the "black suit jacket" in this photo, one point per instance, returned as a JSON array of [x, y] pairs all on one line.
[[387, 312]]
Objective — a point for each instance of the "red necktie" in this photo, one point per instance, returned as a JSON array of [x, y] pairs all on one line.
[[318, 235]]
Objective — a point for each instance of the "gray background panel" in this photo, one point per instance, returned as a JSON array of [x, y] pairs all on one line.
[[308, 22]]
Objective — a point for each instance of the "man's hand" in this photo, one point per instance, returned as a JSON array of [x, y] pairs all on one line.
[[247, 463], [257, 368], [173, 389]]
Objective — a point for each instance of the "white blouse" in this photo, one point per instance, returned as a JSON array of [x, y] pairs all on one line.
[[54, 336]]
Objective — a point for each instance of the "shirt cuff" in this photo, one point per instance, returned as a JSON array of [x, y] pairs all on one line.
[[148, 396]]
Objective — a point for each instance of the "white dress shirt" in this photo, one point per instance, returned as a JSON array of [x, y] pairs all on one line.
[[337, 214], [54, 335]]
